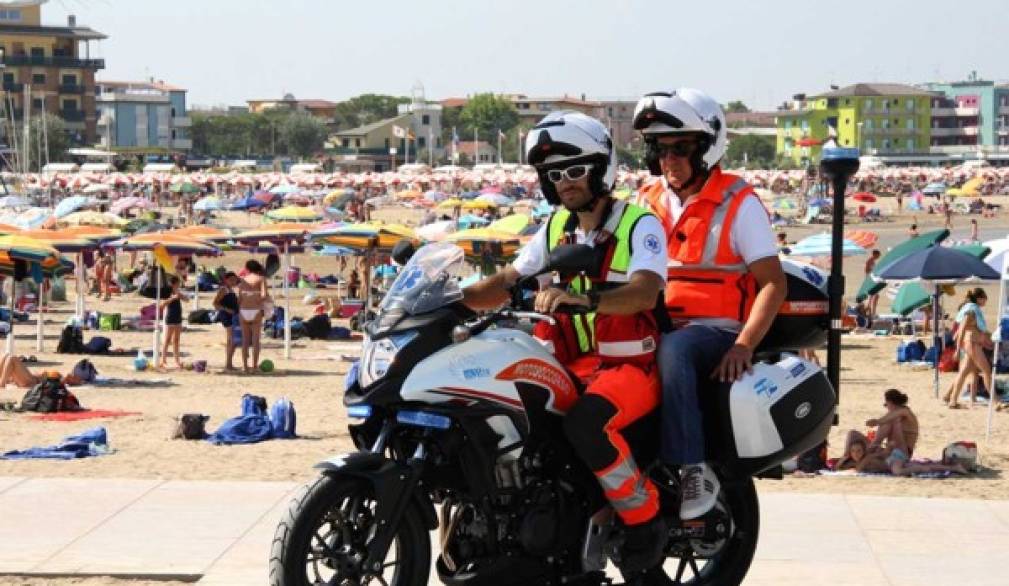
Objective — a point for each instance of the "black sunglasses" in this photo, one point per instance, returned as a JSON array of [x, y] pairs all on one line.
[[681, 149]]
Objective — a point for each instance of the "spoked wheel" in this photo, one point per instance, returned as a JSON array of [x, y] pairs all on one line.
[[323, 539], [717, 551]]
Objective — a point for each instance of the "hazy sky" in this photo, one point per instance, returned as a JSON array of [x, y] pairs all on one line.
[[759, 51]]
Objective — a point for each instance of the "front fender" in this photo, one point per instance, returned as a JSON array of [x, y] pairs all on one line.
[[387, 476]]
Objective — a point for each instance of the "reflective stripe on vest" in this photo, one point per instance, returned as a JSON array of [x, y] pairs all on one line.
[[620, 224]]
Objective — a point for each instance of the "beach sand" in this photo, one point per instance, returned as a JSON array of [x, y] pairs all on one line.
[[313, 380]]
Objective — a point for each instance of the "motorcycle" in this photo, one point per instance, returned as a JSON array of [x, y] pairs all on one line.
[[459, 430]]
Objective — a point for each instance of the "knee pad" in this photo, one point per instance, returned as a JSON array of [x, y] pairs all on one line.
[[585, 428]]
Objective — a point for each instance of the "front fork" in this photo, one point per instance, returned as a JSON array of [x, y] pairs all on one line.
[[395, 486]]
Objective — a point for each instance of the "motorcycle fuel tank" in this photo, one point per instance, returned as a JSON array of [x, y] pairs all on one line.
[[486, 368]]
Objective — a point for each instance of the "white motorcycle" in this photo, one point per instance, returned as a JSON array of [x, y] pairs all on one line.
[[465, 412]]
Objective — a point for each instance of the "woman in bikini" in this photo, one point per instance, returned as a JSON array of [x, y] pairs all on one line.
[[972, 338], [13, 370], [226, 303], [253, 294]]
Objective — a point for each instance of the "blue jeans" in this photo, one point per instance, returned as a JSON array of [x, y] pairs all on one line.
[[687, 357]]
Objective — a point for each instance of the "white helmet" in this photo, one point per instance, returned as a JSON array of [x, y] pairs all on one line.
[[683, 111], [567, 138]]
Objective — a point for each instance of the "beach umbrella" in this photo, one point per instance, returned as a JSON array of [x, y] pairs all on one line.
[[33, 217], [471, 221], [820, 245], [205, 233], [28, 250], [863, 238], [476, 242], [294, 214], [939, 265], [184, 187], [208, 204], [513, 224], [284, 189], [96, 188], [908, 247], [864, 197], [937, 188], [332, 250], [247, 203], [910, 296], [367, 239], [477, 204], [497, 199], [92, 218], [869, 288], [978, 251], [450, 203], [435, 231], [128, 203], [72, 204]]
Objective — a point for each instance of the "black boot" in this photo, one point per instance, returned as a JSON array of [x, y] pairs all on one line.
[[644, 545]]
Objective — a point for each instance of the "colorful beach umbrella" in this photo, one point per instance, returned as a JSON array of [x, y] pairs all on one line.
[[821, 245], [908, 247], [71, 204], [91, 218], [294, 214]]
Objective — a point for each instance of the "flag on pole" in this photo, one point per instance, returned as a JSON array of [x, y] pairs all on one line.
[[455, 145], [164, 259]]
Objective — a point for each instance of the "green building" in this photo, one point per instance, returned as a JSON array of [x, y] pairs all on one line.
[[878, 118]]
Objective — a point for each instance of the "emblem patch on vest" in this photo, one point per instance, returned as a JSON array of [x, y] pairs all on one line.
[[652, 243]]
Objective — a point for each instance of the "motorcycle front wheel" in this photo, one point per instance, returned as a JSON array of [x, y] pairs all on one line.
[[323, 536], [720, 563]]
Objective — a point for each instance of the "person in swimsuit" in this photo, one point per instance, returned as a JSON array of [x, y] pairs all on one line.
[[253, 295], [13, 370], [226, 304], [972, 339], [172, 308]]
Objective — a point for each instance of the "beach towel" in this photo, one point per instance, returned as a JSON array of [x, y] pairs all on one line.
[[109, 381], [93, 442], [81, 415]]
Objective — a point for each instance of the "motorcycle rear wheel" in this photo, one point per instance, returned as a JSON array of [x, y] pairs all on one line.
[[730, 563], [325, 529]]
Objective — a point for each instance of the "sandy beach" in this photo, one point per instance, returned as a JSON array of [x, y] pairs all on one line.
[[313, 380]]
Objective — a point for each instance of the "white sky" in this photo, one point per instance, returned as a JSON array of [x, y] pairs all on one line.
[[759, 51]]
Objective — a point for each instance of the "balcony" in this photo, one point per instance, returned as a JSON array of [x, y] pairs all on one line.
[[72, 115], [13, 86], [57, 61], [71, 88], [959, 131], [182, 143], [182, 122]]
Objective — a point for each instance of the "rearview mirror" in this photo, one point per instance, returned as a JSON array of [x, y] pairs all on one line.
[[572, 258]]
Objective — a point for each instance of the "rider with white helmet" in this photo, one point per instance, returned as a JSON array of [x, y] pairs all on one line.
[[725, 282], [612, 346]]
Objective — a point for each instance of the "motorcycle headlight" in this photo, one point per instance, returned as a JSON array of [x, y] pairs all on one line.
[[379, 356]]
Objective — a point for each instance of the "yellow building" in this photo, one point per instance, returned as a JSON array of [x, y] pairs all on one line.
[[48, 62], [877, 118]]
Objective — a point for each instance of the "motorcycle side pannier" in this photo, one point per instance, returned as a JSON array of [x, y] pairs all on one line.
[[804, 317], [778, 411]]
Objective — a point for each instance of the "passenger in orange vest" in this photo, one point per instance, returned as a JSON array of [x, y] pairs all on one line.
[[612, 348], [725, 282]]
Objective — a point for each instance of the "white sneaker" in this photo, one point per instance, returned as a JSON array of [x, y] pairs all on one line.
[[699, 489]]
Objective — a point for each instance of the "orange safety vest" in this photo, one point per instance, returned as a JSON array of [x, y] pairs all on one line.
[[706, 278]]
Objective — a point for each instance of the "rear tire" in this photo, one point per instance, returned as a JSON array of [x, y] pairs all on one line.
[[322, 529], [731, 562]]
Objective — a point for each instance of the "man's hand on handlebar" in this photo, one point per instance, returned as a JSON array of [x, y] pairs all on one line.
[[548, 300]]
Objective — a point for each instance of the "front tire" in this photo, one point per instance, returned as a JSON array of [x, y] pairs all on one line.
[[322, 536]]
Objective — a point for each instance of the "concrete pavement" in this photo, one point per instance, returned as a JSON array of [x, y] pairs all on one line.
[[219, 533]]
